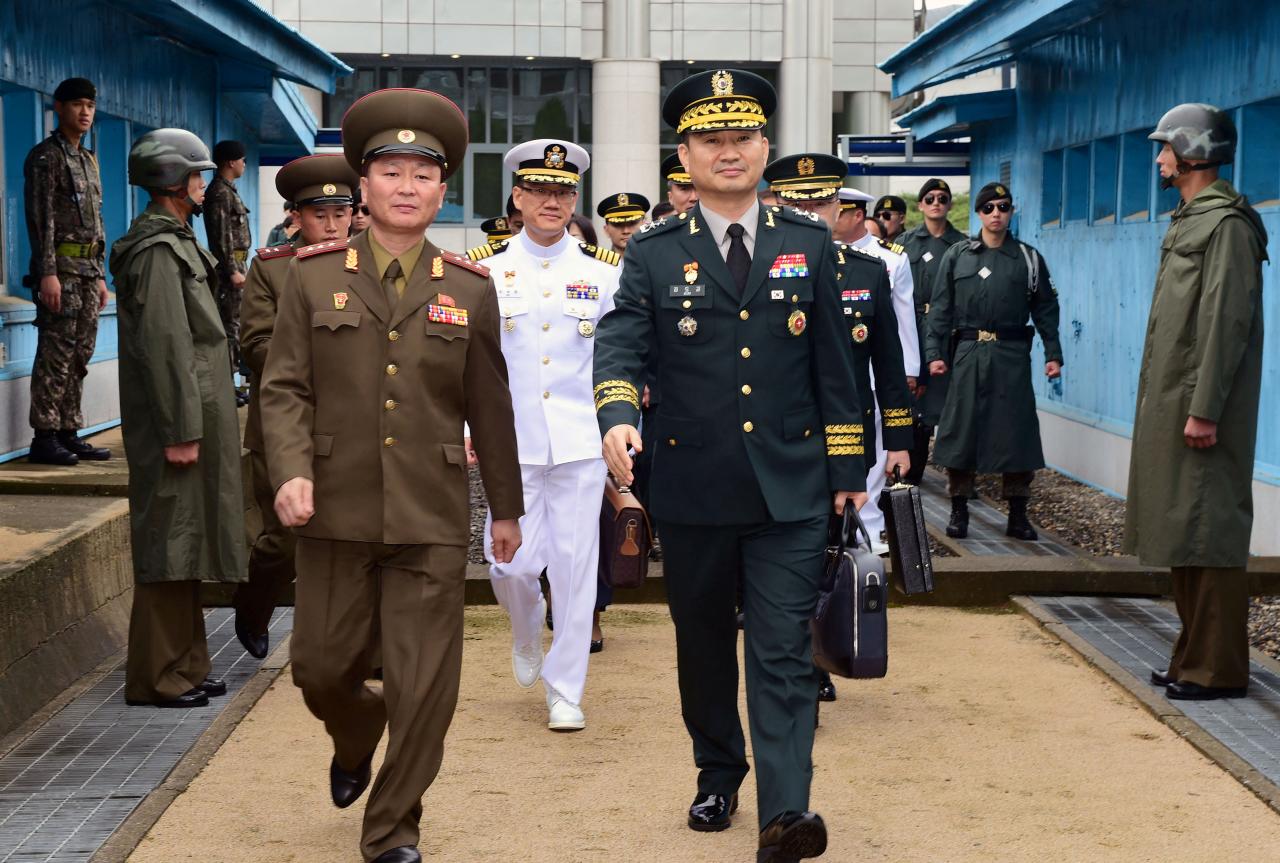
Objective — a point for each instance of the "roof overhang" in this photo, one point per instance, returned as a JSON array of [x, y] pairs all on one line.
[[285, 126], [949, 117], [984, 34]]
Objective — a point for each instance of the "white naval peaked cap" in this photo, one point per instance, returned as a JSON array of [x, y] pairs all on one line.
[[855, 196], [548, 160]]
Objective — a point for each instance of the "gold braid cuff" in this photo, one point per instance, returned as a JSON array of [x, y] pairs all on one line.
[[606, 392], [847, 428], [896, 417]]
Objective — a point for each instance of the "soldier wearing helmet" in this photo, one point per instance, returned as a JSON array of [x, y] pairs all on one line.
[[181, 434], [1190, 505]]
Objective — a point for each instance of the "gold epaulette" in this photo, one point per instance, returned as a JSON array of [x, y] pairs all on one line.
[[321, 248], [610, 258], [464, 263], [488, 250], [285, 251], [893, 247]]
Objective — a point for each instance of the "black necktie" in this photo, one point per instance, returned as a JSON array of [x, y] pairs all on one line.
[[738, 259], [389, 283]]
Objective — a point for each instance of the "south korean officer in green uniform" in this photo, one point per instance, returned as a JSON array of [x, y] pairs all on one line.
[[759, 437]]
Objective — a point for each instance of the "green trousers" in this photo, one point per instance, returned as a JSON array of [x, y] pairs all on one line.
[[781, 567], [1213, 646]]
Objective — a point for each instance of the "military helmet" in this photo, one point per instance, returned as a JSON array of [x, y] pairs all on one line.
[[1198, 131], [166, 157]]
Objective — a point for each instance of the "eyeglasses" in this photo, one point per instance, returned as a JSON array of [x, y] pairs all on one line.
[[885, 214], [560, 196], [930, 200], [988, 209]]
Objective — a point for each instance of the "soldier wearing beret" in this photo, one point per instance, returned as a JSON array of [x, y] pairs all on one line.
[[384, 346], [891, 212], [680, 191], [925, 245], [623, 214], [984, 292], [320, 188], [63, 197], [760, 436], [226, 220]]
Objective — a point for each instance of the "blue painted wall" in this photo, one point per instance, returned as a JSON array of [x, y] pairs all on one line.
[[1115, 75]]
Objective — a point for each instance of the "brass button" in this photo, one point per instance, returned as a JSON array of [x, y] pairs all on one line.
[[746, 389], [389, 442], [808, 432], [671, 441], [392, 369], [546, 265], [546, 327], [744, 314], [393, 335], [747, 426], [546, 294], [795, 298], [857, 314], [391, 404], [546, 360], [546, 395], [687, 304], [746, 352]]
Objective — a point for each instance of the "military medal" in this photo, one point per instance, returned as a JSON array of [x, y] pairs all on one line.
[[508, 277], [509, 325], [860, 333], [340, 300], [586, 329], [691, 272], [796, 322], [687, 326]]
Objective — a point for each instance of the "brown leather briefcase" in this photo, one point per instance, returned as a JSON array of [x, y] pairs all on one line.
[[625, 537], [904, 527]]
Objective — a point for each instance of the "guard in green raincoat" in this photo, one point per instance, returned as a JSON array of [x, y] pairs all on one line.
[[181, 434], [983, 294], [1190, 504]]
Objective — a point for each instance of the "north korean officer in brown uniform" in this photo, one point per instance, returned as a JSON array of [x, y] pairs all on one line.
[[384, 346], [321, 188]]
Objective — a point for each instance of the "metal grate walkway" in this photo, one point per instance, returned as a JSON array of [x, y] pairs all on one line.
[[66, 788], [1138, 635], [986, 524]]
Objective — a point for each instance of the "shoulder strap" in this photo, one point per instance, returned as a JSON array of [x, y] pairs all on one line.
[[1033, 269]]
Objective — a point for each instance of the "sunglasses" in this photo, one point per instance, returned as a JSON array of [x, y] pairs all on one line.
[[930, 200], [885, 214], [364, 211], [988, 209]]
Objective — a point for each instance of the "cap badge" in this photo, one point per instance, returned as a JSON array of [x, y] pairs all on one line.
[[722, 84], [406, 136], [500, 224], [623, 199], [330, 189], [805, 166], [1000, 191], [340, 300], [942, 184], [554, 156]]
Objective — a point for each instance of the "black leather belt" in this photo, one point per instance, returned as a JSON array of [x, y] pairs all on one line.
[[1000, 334]]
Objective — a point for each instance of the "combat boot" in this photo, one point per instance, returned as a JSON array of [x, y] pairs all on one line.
[[958, 527], [1019, 527], [84, 450], [47, 449]]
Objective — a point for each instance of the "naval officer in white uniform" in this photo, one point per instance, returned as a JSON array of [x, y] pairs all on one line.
[[903, 290], [552, 291]]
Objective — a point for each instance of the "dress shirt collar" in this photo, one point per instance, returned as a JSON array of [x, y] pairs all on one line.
[[718, 225], [555, 250]]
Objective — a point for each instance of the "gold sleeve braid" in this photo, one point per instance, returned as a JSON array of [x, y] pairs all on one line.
[[607, 392], [845, 439], [896, 417]]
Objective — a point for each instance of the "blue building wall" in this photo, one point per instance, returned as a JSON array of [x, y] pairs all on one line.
[[1086, 186]]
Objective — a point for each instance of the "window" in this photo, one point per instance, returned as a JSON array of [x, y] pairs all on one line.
[[1076, 186], [1137, 168], [1106, 174], [1259, 172], [1051, 190]]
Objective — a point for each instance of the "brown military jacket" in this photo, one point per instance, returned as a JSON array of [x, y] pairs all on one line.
[[262, 289], [370, 402], [63, 196], [226, 220]]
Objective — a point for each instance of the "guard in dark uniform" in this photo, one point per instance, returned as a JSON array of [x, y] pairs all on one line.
[[925, 245], [983, 294], [891, 212], [622, 213], [759, 433]]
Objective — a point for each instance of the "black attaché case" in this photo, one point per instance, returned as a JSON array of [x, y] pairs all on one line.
[[904, 528], [850, 628]]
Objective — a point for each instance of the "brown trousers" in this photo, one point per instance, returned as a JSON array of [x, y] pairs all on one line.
[[960, 483], [168, 654], [413, 596], [270, 558], [1213, 647]]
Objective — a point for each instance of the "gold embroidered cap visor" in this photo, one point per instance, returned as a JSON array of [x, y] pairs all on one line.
[[805, 176], [623, 208], [404, 121], [318, 180], [547, 160], [496, 229], [720, 99], [674, 172]]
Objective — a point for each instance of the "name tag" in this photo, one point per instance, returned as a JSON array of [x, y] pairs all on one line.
[[688, 290], [508, 293]]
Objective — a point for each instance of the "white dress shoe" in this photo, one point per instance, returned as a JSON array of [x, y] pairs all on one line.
[[526, 659], [563, 715]]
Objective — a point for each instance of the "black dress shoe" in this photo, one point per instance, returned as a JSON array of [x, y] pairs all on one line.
[[711, 813], [1162, 678], [826, 687], [403, 854], [190, 698], [255, 645], [213, 688], [83, 450], [597, 646], [791, 837], [1183, 691], [346, 786]]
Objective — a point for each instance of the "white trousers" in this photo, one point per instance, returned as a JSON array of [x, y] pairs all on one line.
[[560, 532], [870, 513]]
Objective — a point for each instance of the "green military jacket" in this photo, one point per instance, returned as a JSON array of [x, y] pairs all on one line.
[[63, 198], [262, 288], [989, 421], [187, 523], [867, 302], [1202, 358], [925, 252], [760, 417], [226, 220]]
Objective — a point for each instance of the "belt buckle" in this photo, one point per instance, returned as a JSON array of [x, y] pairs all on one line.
[[986, 336]]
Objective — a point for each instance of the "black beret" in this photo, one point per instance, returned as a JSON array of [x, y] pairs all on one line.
[[75, 88], [227, 151], [991, 192], [934, 184], [892, 203]]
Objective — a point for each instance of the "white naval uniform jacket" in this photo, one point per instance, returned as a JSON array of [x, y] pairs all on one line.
[[904, 302], [550, 300]]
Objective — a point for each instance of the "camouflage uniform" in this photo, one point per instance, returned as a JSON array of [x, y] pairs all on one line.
[[63, 195], [226, 220]]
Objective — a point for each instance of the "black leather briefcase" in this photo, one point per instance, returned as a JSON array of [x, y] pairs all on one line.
[[850, 627], [904, 527]]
